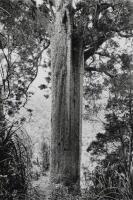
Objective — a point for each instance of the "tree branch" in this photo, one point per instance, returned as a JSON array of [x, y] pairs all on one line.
[[94, 47], [101, 70]]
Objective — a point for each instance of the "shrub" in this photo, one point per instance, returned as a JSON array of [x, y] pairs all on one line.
[[107, 183], [14, 163]]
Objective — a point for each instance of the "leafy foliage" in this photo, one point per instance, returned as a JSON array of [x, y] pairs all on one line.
[[14, 163], [113, 148], [25, 40]]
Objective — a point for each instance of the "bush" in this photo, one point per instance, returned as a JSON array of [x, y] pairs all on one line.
[[107, 183], [14, 163]]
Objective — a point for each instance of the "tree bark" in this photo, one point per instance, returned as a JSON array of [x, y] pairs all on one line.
[[2, 118], [67, 75], [130, 8]]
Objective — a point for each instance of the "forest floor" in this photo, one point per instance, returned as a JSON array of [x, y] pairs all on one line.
[[41, 187]]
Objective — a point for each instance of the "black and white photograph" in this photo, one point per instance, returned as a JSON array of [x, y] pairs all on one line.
[[66, 99]]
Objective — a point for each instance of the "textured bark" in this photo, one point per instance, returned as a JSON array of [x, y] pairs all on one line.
[[2, 119], [67, 65], [130, 8]]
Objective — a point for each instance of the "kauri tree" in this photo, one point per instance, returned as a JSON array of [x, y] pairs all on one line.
[[79, 30]]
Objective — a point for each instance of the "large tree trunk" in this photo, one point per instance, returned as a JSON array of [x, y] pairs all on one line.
[[67, 73]]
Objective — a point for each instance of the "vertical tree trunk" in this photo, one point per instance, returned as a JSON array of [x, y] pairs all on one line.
[[130, 8], [2, 118], [2, 131], [67, 73]]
